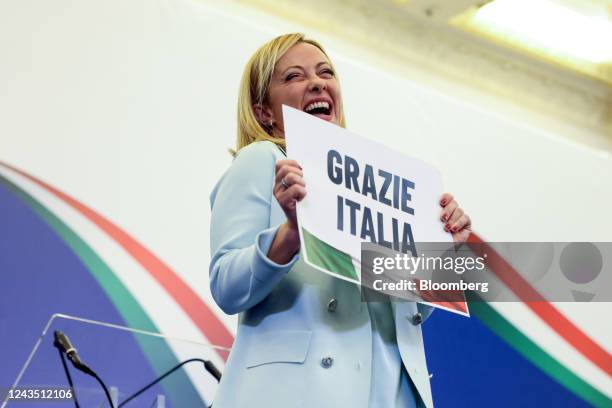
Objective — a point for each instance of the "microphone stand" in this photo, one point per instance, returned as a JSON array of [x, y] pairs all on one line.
[[65, 347], [108, 397], [74, 397], [208, 366]]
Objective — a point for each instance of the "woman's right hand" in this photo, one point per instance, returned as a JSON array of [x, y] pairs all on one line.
[[289, 188]]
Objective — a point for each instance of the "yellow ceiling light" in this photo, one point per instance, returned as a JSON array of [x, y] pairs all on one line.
[[575, 34]]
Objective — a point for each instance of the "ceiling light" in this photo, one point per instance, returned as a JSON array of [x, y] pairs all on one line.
[[574, 33]]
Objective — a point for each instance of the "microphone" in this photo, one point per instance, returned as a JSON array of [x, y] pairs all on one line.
[[62, 342], [214, 371]]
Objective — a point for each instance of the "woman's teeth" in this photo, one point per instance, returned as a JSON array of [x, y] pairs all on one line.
[[317, 105]]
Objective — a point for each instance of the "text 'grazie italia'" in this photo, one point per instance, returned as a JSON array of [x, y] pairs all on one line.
[[382, 186]]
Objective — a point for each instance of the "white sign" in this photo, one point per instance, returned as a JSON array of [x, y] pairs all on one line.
[[358, 191]]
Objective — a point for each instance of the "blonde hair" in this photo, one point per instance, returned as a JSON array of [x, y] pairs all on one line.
[[255, 84]]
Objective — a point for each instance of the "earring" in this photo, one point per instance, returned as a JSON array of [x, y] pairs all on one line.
[[269, 127]]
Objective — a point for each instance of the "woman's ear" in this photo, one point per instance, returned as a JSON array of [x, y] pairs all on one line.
[[263, 114]]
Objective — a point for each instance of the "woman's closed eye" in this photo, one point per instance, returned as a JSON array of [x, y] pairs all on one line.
[[324, 73], [291, 76], [327, 73]]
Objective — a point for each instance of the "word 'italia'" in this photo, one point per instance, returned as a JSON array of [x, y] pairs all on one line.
[[382, 186]]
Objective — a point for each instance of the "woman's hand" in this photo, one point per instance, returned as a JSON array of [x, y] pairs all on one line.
[[289, 188], [456, 220]]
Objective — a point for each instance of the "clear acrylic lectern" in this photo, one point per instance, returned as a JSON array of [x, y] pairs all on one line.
[[124, 358]]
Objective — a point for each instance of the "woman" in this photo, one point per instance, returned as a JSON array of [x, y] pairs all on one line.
[[304, 338]]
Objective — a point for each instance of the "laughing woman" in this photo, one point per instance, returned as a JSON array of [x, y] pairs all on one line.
[[304, 338]]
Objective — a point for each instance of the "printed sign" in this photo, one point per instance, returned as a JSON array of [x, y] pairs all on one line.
[[360, 191]]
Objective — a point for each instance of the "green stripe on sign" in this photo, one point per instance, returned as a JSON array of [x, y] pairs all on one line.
[[327, 257]]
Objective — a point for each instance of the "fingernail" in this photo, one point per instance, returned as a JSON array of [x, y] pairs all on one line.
[[444, 217], [447, 227], [443, 202]]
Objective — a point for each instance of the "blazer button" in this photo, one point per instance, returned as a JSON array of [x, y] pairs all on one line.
[[417, 318], [327, 362], [332, 305]]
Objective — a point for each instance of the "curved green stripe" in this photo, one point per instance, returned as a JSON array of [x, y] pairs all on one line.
[[177, 386], [536, 355]]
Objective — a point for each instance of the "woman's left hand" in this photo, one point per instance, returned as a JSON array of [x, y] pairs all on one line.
[[455, 220]]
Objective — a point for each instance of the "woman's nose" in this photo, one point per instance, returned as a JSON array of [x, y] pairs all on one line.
[[317, 85]]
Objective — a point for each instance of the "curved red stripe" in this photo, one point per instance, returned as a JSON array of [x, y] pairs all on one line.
[[538, 304], [197, 310]]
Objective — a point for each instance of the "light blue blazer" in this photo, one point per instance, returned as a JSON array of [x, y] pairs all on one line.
[[304, 338]]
